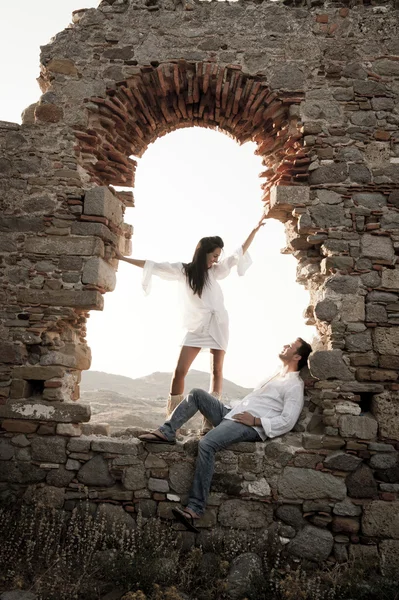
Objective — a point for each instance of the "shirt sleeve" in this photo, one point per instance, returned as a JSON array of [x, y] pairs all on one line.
[[243, 262], [169, 271], [283, 423]]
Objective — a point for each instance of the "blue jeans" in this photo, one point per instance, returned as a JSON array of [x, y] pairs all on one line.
[[225, 433]]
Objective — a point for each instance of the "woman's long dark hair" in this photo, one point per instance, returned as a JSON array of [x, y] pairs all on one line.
[[197, 270]]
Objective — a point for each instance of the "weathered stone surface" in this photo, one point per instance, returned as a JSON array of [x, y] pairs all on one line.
[[11, 353], [383, 460], [381, 519], [260, 487], [20, 472], [96, 472], [6, 449], [40, 410], [245, 514], [53, 245], [50, 497], [389, 551], [377, 247], [89, 299], [98, 272], [386, 340], [291, 515], [359, 342], [385, 407], [361, 483], [373, 201], [158, 485], [115, 446], [390, 279], [312, 543], [363, 427], [49, 449], [60, 477], [181, 477], [242, 570], [116, 516], [342, 461], [37, 372], [334, 173], [134, 477], [325, 364], [326, 310], [75, 356], [18, 595], [101, 202], [347, 509], [343, 284], [308, 484]]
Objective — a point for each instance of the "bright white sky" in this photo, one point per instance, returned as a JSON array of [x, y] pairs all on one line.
[[190, 184]]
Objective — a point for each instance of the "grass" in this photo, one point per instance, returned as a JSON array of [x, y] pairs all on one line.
[[75, 556]]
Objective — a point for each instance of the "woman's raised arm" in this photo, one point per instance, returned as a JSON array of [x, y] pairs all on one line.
[[131, 261], [251, 236]]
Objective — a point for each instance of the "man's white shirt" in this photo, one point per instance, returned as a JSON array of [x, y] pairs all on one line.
[[277, 403]]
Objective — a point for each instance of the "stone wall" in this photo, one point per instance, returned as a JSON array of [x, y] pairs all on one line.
[[317, 90]]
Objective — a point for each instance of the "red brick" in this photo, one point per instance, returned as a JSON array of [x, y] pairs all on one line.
[[382, 135], [322, 19], [343, 12]]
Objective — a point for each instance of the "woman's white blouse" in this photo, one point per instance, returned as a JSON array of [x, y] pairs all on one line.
[[206, 315]]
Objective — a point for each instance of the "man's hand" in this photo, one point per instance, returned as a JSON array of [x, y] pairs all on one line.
[[245, 418]]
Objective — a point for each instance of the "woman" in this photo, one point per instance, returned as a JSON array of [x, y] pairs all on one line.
[[205, 316]]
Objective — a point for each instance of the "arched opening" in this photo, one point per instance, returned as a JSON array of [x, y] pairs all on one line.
[[191, 183]]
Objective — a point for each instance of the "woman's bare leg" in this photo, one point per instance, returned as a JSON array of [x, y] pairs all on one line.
[[217, 359], [186, 358], [216, 384]]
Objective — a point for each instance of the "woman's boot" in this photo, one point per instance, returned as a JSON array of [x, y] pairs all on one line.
[[173, 401], [207, 425]]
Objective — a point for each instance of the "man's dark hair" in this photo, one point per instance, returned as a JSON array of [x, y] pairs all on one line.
[[304, 350]]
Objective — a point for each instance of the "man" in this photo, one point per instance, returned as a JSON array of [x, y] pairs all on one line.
[[272, 409]]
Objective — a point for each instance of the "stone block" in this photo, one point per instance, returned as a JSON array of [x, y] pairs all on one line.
[[390, 279], [101, 202], [342, 461], [381, 519], [389, 552], [96, 472], [286, 198], [365, 557], [331, 173], [361, 483], [377, 247], [343, 284], [40, 410], [96, 229], [326, 310], [371, 200], [115, 517], [69, 429], [48, 496], [312, 543], [385, 407], [11, 353], [353, 309], [327, 215], [87, 299], [238, 583], [61, 246], [181, 476], [329, 364], [359, 342], [363, 427], [37, 372], [49, 449], [74, 356], [386, 340], [158, 485], [347, 509], [134, 477], [98, 272], [383, 460], [245, 514], [115, 446], [307, 484], [287, 77]]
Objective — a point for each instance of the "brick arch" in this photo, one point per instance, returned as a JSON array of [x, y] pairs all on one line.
[[173, 95]]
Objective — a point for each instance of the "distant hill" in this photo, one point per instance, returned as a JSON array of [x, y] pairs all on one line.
[[124, 402]]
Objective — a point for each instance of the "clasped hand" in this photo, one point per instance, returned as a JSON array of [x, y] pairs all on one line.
[[245, 418]]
